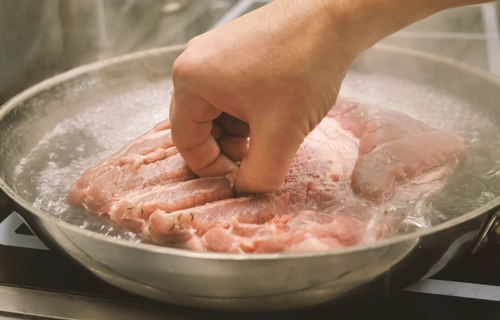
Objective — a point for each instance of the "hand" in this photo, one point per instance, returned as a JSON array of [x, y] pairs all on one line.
[[272, 75]]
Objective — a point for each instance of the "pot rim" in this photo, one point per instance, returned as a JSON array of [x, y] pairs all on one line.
[[156, 249]]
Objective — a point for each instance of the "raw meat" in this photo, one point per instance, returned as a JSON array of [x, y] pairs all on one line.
[[320, 172], [395, 149], [181, 226], [151, 160], [132, 211], [309, 231], [359, 161]]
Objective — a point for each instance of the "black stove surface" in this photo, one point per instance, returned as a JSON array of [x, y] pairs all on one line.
[[44, 270]]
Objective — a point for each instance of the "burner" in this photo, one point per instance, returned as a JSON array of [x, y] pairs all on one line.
[[15, 232], [57, 287]]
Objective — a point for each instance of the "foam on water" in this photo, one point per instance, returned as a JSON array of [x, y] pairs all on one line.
[[478, 181], [103, 128]]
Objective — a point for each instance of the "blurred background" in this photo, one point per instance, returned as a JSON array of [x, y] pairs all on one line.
[[41, 38]]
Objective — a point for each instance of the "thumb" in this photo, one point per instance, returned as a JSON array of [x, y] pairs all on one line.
[[272, 148]]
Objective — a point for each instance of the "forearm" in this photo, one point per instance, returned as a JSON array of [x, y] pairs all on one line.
[[277, 72], [363, 23], [373, 20]]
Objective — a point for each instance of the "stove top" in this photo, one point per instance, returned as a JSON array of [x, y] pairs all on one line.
[[29, 271], [35, 282]]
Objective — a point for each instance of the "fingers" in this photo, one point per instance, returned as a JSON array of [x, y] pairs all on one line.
[[164, 125], [222, 165], [217, 131], [235, 148], [191, 121], [272, 148], [232, 136], [233, 126]]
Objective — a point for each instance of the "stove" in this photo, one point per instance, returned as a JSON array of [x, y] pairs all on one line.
[[36, 283]]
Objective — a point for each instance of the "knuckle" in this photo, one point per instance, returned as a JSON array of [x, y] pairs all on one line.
[[192, 42], [186, 66], [179, 69]]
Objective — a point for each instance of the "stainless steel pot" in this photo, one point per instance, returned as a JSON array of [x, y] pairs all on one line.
[[229, 281]]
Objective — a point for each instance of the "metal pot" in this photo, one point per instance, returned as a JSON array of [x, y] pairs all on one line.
[[229, 281]]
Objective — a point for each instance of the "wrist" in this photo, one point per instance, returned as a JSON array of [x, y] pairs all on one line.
[[363, 23]]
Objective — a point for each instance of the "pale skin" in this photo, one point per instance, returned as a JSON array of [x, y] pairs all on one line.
[[273, 75]]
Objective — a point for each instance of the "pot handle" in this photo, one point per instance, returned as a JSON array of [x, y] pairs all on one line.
[[491, 229]]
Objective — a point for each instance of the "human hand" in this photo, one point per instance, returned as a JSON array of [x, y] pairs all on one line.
[[272, 75]]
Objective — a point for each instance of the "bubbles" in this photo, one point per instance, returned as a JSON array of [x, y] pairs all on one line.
[[475, 183], [102, 128], [81, 141]]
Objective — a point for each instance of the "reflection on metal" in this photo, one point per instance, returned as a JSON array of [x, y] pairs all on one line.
[[225, 281], [450, 253], [492, 225], [185, 272], [491, 28]]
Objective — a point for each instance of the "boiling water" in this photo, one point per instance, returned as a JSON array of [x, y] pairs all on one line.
[[105, 127], [478, 182]]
